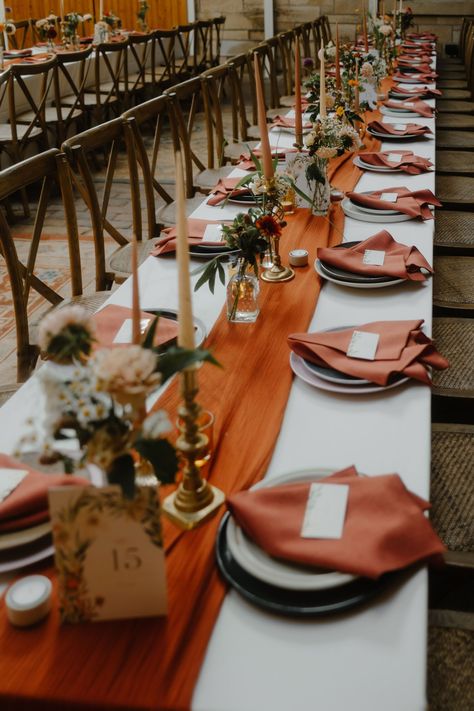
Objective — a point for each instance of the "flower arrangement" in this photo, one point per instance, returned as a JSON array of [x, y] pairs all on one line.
[[337, 102], [143, 8], [329, 138], [99, 397], [47, 28], [111, 20], [72, 21]]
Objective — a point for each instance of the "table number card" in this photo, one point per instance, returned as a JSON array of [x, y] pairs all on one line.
[[109, 553]]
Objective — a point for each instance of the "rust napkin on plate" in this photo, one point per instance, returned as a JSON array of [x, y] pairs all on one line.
[[246, 163], [409, 162], [413, 203], [416, 106], [410, 59], [421, 92], [285, 122], [410, 129], [420, 78], [385, 527], [400, 260], [27, 505], [110, 319], [224, 188], [196, 229], [403, 349]]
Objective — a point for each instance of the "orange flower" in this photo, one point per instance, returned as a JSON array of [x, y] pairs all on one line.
[[268, 226], [353, 82], [340, 110]]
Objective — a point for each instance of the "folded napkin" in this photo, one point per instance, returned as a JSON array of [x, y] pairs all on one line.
[[109, 320], [420, 78], [414, 203], [285, 122], [385, 527], [27, 505], [226, 187], [416, 106], [403, 349], [246, 163], [35, 58], [416, 61], [400, 260], [196, 229], [428, 36], [409, 163], [409, 129], [421, 92]]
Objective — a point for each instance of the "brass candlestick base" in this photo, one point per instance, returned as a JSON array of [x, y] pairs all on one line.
[[195, 500], [277, 271]]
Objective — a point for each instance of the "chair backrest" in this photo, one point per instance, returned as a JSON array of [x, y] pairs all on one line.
[[305, 33], [45, 174], [143, 127], [71, 75], [269, 55], [203, 49], [244, 97], [27, 95], [218, 87], [216, 39], [23, 36], [141, 51], [163, 64], [185, 50], [325, 29], [105, 192], [318, 39], [110, 71], [287, 41]]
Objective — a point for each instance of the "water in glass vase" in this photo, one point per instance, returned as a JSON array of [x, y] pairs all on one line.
[[242, 298]]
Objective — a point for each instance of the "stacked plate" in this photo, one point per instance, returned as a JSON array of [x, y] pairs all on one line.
[[283, 587], [369, 214], [394, 137], [360, 163], [401, 112], [21, 548], [351, 279]]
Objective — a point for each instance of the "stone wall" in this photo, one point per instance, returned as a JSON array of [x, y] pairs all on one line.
[[244, 18]]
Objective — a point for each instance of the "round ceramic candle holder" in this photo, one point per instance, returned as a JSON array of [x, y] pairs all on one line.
[[28, 600]]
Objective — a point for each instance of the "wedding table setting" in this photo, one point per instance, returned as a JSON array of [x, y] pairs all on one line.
[[309, 588]]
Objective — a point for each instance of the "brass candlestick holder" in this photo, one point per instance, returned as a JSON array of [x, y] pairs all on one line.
[[277, 271], [195, 500]]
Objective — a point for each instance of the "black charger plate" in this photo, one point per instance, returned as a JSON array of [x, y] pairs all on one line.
[[294, 603]]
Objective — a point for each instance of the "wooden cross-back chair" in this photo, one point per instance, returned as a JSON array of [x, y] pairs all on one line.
[[244, 99], [145, 125], [108, 196], [318, 40], [216, 39], [162, 72], [203, 49], [188, 115], [305, 33], [185, 58], [325, 28], [24, 35], [73, 73], [110, 76], [47, 175], [138, 63]]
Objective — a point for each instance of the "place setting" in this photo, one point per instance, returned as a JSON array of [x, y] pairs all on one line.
[[396, 204], [422, 92], [205, 239], [398, 131], [321, 541], [374, 263], [411, 108], [396, 161], [365, 359], [229, 190]]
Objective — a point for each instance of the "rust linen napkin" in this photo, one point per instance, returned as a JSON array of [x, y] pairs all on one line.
[[27, 505], [409, 163], [224, 188], [422, 91], [196, 229], [403, 349], [246, 163], [421, 77], [400, 260], [389, 129], [410, 203], [385, 528], [285, 122], [416, 106], [109, 320]]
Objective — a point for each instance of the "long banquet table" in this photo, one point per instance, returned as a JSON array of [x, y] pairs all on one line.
[[373, 657]]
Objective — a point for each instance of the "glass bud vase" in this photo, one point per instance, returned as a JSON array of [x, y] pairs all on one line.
[[321, 190], [242, 296]]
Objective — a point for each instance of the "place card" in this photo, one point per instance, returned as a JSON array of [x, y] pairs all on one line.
[[399, 126], [394, 157], [9, 480], [389, 197], [325, 511], [213, 233], [109, 553], [363, 345], [374, 256], [410, 104], [124, 334]]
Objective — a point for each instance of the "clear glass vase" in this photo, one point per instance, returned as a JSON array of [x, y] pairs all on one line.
[[321, 190], [242, 296]]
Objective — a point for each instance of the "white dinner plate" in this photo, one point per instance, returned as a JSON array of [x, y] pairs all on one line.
[[200, 331], [272, 570], [394, 137], [355, 284], [374, 211], [299, 369], [32, 554], [27, 535], [353, 211], [402, 113], [374, 168]]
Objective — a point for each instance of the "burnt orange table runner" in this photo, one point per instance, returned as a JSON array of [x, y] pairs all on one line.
[[154, 663]]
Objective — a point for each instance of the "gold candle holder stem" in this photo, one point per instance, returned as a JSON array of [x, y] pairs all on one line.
[[277, 271], [195, 500]]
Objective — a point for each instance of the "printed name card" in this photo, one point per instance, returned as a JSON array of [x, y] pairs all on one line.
[[409, 104], [109, 553], [394, 157], [375, 257], [9, 480], [389, 197], [124, 334], [363, 345], [213, 233], [325, 511], [399, 126]]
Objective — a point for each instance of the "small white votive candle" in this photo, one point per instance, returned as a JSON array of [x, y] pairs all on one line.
[[298, 257], [28, 600]]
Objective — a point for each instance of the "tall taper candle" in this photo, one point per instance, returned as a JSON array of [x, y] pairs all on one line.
[[366, 39], [338, 61], [101, 10], [262, 122], [185, 311], [136, 333], [322, 85], [401, 7], [298, 109], [356, 88], [61, 9]]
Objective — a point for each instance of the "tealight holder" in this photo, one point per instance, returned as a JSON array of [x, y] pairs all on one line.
[[195, 500]]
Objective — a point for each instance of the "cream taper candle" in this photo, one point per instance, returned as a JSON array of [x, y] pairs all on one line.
[[185, 311], [298, 109], [136, 331], [322, 85], [267, 163], [338, 61]]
